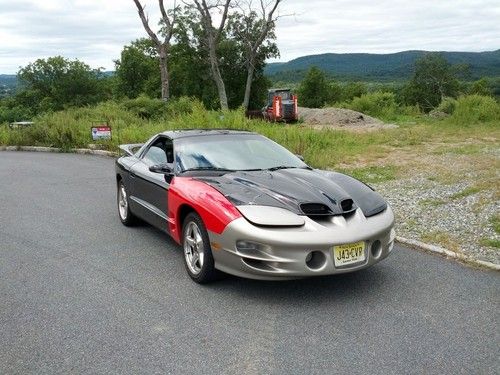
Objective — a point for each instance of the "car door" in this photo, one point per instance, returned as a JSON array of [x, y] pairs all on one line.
[[150, 190]]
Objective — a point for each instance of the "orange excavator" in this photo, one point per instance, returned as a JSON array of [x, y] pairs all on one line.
[[281, 106]]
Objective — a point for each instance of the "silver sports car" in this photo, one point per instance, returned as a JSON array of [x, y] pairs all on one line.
[[240, 203]]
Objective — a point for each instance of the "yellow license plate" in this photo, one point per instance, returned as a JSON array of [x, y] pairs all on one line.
[[350, 253]]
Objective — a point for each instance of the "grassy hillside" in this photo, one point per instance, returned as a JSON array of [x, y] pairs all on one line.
[[379, 67]]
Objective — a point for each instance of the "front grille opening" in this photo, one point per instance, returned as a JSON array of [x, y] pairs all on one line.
[[257, 264], [315, 209], [288, 109]]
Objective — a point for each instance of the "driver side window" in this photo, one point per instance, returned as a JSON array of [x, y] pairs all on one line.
[[160, 152]]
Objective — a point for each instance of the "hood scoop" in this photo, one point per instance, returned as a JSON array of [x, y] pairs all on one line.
[[306, 192], [315, 209]]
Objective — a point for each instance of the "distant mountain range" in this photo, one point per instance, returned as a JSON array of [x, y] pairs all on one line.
[[352, 66], [379, 67], [8, 83]]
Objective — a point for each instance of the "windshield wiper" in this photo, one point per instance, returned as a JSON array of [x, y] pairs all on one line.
[[280, 167], [209, 169], [287, 167]]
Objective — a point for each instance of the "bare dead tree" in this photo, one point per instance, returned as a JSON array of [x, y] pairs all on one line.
[[212, 36], [162, 46], [253, 32]]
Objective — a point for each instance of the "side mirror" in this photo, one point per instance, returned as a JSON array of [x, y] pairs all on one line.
[[300, 157], [161, 168]]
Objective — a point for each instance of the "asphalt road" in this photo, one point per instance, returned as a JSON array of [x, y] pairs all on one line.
[[80, 293]]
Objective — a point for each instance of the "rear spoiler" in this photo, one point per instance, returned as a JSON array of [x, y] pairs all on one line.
[[131, 148]]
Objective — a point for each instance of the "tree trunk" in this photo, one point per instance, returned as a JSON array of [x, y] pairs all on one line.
[[248, 86], [161, 47], [212, 38], [165, 89], [214, 65]]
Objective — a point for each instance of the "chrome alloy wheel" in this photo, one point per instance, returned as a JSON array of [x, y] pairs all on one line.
[[122, 202], [193, 248]]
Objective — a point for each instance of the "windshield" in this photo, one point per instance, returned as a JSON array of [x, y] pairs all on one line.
[[285, 95], [234, 152]]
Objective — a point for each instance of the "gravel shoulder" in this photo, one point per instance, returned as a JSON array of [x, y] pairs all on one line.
[[445, 191], [447, 195]]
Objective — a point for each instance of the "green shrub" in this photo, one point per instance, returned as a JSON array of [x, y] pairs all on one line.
[[480, 87], [447, 105], [153, 109], [411, 111], [146, 107], [182, 106], [472, 109], [377, 104]]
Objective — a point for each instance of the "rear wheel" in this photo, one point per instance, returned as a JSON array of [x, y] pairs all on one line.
[[126, 216], [197, 251]]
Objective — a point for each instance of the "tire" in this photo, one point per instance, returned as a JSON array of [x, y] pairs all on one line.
[[126, 216], [198, 257]]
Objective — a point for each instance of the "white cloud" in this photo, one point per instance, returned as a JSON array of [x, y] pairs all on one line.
[[95, 31], [388, 26]]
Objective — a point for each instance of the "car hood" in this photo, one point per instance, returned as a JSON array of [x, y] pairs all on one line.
[[302, 191]]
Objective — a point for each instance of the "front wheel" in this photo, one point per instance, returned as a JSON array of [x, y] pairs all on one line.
[[126, 216], [197, 251]]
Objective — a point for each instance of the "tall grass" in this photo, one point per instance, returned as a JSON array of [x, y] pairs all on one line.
[[473, 109], [325, 148]]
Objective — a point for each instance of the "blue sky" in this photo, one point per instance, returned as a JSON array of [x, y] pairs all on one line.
[[95, 31]]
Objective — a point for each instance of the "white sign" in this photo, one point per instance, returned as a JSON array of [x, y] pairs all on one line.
[[101, 132]]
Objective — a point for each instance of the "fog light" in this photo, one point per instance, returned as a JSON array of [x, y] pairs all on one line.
[[315, 260]]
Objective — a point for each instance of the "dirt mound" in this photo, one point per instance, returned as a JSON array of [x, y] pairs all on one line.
[[340, 118]]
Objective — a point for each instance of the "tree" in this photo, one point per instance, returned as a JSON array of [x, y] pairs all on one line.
[[434, 79], [189, 66], [212, 37], [353, 90], [162, 46], [335, 92], [252, 30], [137, 70], [314, 90], [191, 71], [54, 83]]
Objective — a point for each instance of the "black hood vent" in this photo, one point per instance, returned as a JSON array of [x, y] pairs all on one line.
[[315, 209], [346, 205]]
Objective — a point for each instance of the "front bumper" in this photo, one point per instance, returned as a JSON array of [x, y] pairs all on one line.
[[284, 250]]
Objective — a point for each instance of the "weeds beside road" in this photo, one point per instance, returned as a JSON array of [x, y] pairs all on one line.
[[441, 176]]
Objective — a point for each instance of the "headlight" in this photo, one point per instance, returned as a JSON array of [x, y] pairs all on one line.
[[270, 216]]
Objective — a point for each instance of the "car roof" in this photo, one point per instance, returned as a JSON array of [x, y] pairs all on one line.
[[176, 134]]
